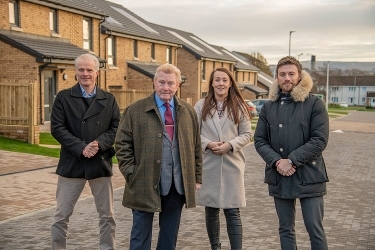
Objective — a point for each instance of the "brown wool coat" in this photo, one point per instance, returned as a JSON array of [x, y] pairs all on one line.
[[138, 146]]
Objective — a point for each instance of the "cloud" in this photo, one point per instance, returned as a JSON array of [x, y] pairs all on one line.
[[337, 30]]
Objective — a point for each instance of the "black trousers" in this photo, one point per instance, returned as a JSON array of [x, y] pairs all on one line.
[[169, 223]]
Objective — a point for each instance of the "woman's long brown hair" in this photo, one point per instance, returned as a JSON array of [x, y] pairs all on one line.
[[234, 103]]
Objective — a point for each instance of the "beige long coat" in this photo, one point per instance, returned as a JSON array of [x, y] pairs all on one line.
[[223, 175]]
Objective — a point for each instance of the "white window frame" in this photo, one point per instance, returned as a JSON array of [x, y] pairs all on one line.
[[87, 33]]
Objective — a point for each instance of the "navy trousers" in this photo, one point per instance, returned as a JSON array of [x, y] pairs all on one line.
[[312, 213], [169, 223]]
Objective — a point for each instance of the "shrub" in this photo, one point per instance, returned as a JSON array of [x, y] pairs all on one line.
[[334, 105]]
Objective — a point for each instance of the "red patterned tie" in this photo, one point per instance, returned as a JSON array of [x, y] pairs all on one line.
[[169, 124]]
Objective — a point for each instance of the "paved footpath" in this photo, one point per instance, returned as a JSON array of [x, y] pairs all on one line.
[[28, 183]]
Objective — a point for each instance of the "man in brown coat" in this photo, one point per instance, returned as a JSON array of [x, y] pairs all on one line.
[[162, 170]]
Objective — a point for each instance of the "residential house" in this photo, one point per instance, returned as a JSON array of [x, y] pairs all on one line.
[[39, 41], [355, 90], [263, 81], [132, 48]]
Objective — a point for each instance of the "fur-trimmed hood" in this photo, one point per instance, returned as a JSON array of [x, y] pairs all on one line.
[[299, 92]]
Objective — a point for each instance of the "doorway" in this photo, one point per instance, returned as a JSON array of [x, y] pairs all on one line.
[[49, 93]]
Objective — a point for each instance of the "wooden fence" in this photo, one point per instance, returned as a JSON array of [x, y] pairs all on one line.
[[18, 111], [126, 97]]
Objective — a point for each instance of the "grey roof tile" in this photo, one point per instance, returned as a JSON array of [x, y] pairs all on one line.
[[193, 45], [43, 47], [124, 21], [147, 69], [265, 79], [82, 5], [257, 90]]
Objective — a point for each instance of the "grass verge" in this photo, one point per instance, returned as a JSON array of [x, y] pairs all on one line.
[[24, 147], [47, 138]]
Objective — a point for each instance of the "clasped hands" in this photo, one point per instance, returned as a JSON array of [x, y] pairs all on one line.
[[91, 149], [285, 168], [219, 148]]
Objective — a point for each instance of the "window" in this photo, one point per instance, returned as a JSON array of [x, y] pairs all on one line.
[[13, 13], [153, 51], [363, 99], [169, 54], [335, 88], [87, 33], [135, 48], [230, 67], [351, 88], [203, 68], [213, 65], [53, 20], [111, 51], [350, 99], [364, 88], [335, 99]]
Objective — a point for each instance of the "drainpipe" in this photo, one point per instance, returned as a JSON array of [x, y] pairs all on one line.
[[99, 80], [179, 93], [41, 68], [106, 54]]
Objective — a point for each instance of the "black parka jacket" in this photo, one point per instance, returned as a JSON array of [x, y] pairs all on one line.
[[297, 129], [74, 126]]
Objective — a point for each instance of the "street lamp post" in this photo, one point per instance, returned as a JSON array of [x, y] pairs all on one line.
[[327, 87], [290, 37]]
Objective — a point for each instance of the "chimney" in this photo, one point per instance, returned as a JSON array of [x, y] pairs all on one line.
[[312, 62]]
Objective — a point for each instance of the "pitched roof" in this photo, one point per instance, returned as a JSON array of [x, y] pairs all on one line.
[[146, 68], [195, 45], [44, 49], [265, 79], [257, 90], [243, 63], [121, 21], [352, 81], [82, 7]]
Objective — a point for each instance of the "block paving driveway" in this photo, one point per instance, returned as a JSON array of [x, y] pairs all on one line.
[[28, 183]]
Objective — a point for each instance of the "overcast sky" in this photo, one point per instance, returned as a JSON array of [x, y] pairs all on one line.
[[333, 30]]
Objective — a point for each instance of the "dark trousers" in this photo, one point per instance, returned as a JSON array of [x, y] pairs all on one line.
[[312, 212], [169, 223], [234, 227]]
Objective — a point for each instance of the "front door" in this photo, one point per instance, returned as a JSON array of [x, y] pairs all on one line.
[[49, 93]]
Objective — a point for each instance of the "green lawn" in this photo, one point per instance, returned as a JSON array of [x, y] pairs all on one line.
[[47, 138], [24, 147]]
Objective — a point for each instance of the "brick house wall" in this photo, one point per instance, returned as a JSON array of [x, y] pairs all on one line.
[[190, 68]]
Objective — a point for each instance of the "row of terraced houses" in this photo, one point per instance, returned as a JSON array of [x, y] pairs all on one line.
[[39, 40]]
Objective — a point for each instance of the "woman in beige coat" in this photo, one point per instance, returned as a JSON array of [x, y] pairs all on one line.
[[225, 129]]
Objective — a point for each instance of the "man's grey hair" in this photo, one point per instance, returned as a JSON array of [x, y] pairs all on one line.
[[87, 56], [168, 69]]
